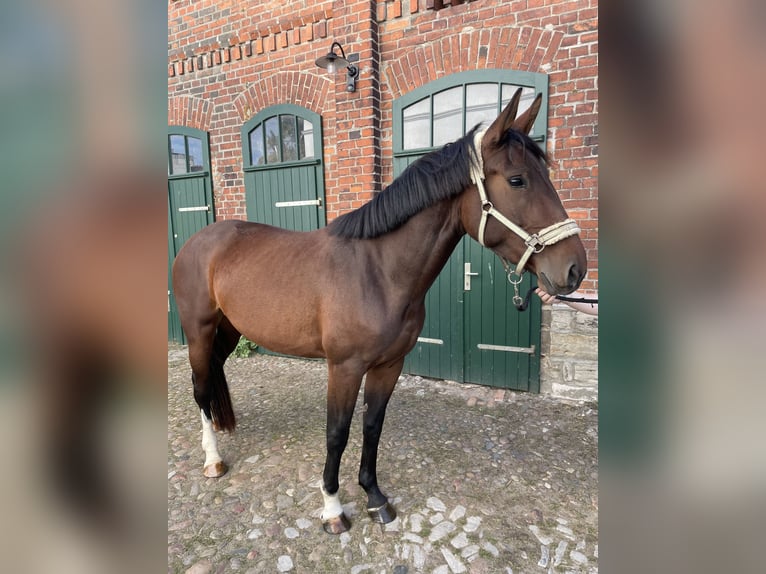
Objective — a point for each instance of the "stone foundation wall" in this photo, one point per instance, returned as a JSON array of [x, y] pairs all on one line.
[[569, 366]]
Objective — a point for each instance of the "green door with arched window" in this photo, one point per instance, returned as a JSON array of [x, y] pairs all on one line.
[[284, 177], [190, 201], [472, 333]]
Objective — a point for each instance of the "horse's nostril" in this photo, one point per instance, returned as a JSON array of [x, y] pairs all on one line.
[[574, 277]]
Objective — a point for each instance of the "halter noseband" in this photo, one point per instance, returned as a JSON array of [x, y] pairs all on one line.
[[535, 242]]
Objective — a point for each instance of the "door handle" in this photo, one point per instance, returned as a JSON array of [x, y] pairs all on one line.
[[195, 208], [467, 274], [299, 203]]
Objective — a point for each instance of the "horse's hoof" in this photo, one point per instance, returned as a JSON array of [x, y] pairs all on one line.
[[383, 514], [215, 470], [336, 524]]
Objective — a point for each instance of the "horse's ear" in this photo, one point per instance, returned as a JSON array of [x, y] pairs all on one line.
[[526, 120], [504, 121]]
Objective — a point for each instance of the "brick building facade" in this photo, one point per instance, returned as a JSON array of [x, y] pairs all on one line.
[[229, 60]]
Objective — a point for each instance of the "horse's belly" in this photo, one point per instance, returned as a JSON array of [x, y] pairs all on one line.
[[280, 330]]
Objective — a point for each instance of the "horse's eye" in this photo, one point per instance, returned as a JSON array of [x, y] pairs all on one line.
[[517, 181]]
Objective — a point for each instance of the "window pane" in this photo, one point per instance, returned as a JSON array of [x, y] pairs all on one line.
[[256, 146], [289, 138], [305, 139], [177, 154], [195, 154], [415, 125], [527, 97], [272, 140], [448, 116], [480, 104]]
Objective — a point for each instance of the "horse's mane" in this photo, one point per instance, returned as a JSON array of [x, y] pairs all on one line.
[[438, 175]]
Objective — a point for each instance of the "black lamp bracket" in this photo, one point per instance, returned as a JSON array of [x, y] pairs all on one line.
[[352, 73]]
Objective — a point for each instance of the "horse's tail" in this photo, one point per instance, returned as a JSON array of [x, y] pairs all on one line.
[[220, 399]]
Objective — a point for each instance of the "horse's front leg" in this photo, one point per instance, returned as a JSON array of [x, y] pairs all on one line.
[[342, 391], [378, 387]]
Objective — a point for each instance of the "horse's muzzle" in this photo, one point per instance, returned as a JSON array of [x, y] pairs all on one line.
[[567, 284]]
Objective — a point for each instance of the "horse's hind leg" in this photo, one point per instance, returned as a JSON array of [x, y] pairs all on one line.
[[378, 387], [342, 391], [209, 347]]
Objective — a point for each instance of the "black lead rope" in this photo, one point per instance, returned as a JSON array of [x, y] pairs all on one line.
[[577, 299], [528, 296]]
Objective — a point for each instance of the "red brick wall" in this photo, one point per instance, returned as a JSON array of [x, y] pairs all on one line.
[[228, 60]]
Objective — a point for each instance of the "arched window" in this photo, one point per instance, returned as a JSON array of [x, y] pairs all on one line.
[[186, 154], [445, 109], [281, 138]]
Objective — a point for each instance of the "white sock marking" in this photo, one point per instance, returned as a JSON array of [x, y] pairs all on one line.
[[332, 506], [209, 442]]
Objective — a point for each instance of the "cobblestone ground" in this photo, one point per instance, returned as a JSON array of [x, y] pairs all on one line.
[[483, 480]]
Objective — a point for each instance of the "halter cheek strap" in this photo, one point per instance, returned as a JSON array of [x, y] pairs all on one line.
[[535, 242]]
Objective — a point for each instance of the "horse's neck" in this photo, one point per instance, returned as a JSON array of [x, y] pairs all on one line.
[[417, 252]]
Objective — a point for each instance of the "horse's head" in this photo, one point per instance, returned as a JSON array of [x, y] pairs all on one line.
[[517, 212]]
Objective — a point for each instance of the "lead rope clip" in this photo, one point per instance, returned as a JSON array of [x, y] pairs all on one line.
[[517, 300]]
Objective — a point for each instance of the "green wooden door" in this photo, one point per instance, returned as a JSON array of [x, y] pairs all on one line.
[[284, 178], [190, 201], [472, 333]]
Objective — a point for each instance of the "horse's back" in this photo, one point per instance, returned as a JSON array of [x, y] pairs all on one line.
[[218, 233], [212, 243]]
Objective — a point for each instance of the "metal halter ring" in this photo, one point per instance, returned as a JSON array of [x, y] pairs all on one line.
[[487, 206], [513, 272]]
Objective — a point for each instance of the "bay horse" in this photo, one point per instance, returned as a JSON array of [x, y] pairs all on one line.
[[354, 292]]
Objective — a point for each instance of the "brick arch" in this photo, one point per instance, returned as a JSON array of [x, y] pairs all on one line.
[[190, 112], [525, 48], [310, 91]]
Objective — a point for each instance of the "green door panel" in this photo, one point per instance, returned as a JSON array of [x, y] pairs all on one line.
[[502, 345], [191, 207], [190, 204], [270, 196]]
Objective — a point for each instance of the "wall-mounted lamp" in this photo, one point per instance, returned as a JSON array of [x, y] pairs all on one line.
[[332, 61]]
